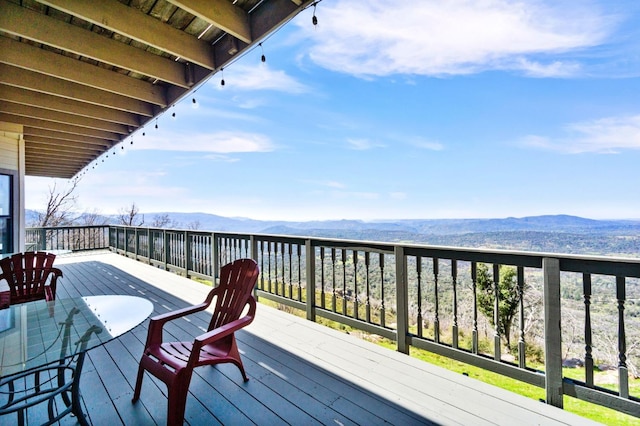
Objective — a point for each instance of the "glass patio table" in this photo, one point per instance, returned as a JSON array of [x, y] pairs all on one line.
[[43, 345]]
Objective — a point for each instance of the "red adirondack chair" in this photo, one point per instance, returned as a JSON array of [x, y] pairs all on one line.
[[173, 362], [30, 276]]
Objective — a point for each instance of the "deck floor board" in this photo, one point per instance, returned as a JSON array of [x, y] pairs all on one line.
[[300, 372]]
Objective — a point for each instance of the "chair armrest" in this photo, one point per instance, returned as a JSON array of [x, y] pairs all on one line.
[[156, 324], [227, 329], [51, 293]]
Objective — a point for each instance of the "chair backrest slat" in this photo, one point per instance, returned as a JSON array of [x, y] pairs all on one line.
[[237, 280], [27, 274]]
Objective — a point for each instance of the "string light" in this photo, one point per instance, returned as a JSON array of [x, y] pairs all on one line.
[[314, 19], [194, 102]]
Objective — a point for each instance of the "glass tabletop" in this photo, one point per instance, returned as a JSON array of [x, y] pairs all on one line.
[[38, 333]]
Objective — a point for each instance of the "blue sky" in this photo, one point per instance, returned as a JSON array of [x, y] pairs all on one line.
[[401, 109]]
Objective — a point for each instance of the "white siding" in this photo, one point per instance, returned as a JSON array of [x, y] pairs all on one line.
[[9, 151]]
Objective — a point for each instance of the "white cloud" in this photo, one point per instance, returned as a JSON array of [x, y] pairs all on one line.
[[224, 142], [427, 144], [384, 37], [261, 77], [362, 144], [605, 136]]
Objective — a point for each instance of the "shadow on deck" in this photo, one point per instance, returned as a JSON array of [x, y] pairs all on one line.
[[300, 372]]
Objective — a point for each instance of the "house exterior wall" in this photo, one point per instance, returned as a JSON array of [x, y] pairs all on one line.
[[12, 162]]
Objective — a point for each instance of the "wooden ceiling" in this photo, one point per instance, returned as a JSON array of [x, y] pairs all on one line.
[[81, 75]]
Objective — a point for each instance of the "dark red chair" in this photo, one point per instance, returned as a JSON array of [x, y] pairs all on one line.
[[173, 362], [30, 276]]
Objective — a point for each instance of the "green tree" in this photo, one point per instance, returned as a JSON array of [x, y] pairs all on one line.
[[508, 297]]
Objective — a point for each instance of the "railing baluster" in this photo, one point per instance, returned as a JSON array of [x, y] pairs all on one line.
[[588, 344], [333, 278], [419, 282], [367, 300], [474, 287], [276, 255], [344, 282], [522, 356], [356, 307], [436, 321], [291, 271], [454, 279], [497, 353], [299, 272], [322, 304], [383, 314], [623, 371]]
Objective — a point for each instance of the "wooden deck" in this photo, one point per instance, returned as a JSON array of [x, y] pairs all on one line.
[[300, 372]]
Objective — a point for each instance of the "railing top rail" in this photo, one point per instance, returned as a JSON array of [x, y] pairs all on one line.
[[588, 264], [52, 228]]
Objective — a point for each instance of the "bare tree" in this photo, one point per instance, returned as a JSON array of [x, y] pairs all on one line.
[[130, 216], [164, 221], [92, 218], [194, 225], [59, 211]]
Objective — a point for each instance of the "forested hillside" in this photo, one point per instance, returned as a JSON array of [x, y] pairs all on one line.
[[555, 233]]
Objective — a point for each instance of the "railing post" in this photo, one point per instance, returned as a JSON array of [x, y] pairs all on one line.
[[188, 261], [214, 256], [135, 243], [42, 244], [165, 243], [402, 300], [552, 332], [311, 280], [149, 246]]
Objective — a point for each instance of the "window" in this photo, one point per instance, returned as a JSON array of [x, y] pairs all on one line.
[[6, 214]]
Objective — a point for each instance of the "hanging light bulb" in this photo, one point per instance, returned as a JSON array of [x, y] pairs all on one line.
[[222, 81], [314, 19], [194, 103], [173, 115], [156, 123], [262, 58]]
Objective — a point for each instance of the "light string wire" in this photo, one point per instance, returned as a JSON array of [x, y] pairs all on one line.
[[207, 79]]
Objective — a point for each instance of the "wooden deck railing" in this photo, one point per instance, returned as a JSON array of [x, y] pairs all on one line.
[[426, 297]]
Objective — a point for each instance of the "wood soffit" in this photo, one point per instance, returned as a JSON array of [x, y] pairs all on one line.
[[81, 75]]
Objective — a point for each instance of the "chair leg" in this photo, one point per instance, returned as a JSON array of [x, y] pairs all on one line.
[[176, 404], [234, 357], [138, 388]]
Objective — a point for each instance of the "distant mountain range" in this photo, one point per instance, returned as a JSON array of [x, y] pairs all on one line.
[[552, 233]]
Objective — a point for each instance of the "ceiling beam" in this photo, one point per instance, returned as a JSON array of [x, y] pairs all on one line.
[[269, 15], [61, 117], [222, 14], [40, 157], [22, 22], [44, 144], [35, 59], [54, 103], [47, 171], [59, 127], [132, 23], [25, 79], [53, 135]]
